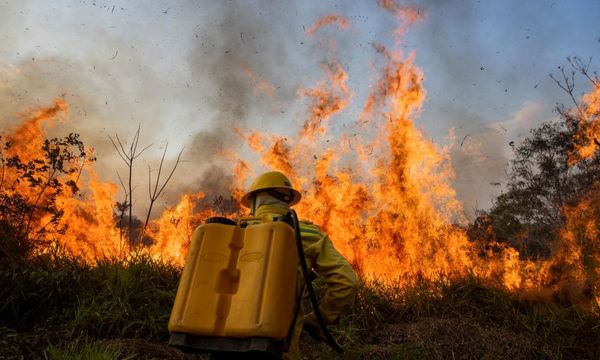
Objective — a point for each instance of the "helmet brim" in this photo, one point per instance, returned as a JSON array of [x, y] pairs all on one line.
[[247, 198]]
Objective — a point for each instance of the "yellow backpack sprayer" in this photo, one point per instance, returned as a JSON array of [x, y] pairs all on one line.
[[239, 291]]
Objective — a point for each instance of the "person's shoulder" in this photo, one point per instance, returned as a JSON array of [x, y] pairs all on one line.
[[308, 229]]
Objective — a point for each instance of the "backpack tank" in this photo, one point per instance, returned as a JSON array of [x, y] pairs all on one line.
[[237, 283]]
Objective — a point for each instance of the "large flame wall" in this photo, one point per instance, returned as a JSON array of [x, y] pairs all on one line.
[[381, 191]]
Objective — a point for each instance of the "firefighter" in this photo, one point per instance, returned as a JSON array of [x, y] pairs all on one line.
[[271, 196]]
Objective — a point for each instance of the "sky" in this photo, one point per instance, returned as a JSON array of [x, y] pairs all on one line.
[[176, 68]]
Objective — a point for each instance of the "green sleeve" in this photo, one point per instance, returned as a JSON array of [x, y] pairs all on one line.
[[340, 278]]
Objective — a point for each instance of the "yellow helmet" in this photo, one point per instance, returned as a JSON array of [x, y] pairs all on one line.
[[272, 180]]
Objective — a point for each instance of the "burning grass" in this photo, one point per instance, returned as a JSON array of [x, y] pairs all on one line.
[[383, 197], [64, 308], [463, 319]]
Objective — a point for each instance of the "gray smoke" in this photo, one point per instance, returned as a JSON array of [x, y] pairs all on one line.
[[177, 69], [114, 83], [238, 38], [489, 61]]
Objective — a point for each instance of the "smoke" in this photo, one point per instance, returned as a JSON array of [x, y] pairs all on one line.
[[102, 76], [240, 41], [482, 63], [481, 152], [182, 70], [236, 58], [188, 85]]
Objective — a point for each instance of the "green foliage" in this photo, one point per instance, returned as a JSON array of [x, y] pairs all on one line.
[[545, 177], [60, 307], [541, 183], [133, 299], [84, 349], [66, 298]]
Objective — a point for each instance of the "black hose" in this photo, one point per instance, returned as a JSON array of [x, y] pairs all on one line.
[[311, 291]]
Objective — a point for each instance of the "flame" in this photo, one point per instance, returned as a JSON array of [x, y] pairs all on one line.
[[385, 197], [26, 142], [26, 137], [91, 222], [588, 137], [260, 85], [381, 189], [406, 16], [579, 253], [326, 102], [326, 20]]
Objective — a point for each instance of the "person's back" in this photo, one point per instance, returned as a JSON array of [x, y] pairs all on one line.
[[270, 197]]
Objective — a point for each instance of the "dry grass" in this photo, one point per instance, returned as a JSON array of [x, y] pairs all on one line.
[[67, 309]]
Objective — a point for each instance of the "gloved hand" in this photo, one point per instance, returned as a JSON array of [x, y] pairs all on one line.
[[311, 326]]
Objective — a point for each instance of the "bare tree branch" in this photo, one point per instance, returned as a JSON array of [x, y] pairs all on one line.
[[568, 85], [122, 152], [80, 169], [158, 189], [122, 208], [128, 156], [51, 176], [583, 68]]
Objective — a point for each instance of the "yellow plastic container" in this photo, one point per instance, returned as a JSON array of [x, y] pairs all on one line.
[[238, 282]]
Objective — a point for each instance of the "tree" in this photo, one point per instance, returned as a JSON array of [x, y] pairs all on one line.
[[128, 156], [544, 180], [30, 185], [154, 190]]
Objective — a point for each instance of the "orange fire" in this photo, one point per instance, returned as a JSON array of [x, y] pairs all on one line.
[[589, 134], [384, 196], [260, 85], [341, 21], [92, 230]]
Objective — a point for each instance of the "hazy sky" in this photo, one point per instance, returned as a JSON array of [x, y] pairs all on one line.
[[176, 68]]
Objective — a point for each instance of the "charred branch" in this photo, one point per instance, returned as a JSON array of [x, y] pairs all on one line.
[[128, 156], [154, 192]]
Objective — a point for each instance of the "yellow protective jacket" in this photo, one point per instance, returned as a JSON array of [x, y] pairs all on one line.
[[321, 257]]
